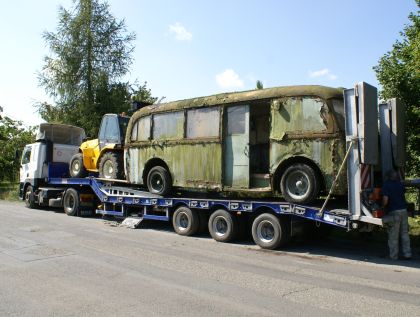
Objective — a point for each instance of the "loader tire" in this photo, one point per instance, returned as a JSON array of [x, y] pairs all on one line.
[[76, 167], [111, 166]]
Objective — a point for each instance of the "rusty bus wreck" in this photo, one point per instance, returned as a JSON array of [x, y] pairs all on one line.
[[278, 141]]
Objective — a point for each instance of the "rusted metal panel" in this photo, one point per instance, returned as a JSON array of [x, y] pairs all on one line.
[[327, 154], [323, 92], [299, 116], [190, 164]]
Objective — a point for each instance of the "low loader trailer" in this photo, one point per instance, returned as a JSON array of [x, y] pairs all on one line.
[[270, 222]]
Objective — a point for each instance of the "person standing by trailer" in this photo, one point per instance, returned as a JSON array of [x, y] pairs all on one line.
[[393, 198]]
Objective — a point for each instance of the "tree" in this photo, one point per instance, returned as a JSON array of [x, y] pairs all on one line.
[[90, 53], [398, 72], [13, 137], [259, 85]]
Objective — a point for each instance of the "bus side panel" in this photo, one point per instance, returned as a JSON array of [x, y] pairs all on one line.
[[192, 165], [328, 154]]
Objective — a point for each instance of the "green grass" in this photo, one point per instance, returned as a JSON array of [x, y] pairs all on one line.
[[9, 191]]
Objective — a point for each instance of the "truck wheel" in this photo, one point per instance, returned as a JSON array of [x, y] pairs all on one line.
[[76, 167], [270, 232], [223, 227], [299, 184], [111, 166], [71, 202], [30, 197], [185, 221], [159, 181]]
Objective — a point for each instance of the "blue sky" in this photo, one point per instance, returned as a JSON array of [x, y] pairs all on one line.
[[193, 48]]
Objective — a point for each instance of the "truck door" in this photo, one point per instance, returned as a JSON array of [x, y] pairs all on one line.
[[236, 156], [25, 164]]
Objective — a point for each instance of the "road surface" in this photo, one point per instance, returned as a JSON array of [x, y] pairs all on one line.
[[55, 265]]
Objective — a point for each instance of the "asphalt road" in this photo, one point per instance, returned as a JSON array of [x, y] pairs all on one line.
[[55, 265]]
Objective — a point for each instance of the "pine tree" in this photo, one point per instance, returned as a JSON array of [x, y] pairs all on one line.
[[90, 52]]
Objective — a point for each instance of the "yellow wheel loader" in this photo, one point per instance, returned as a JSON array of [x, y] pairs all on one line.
[[103, 155]]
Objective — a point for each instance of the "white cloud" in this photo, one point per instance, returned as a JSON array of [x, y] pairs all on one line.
[[229, 79], [325, 72], [180, 32]]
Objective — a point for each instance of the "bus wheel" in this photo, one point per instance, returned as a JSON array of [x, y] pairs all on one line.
[[270, 232], [223, 227], [185, 221], [299, 184], [111, 166], [159, 181], [71, 202], [77, 169], [29, 197]]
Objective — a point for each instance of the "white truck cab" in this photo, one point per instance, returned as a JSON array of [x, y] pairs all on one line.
[[49, 156]]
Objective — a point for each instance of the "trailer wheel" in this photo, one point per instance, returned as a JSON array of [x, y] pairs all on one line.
[[111, 166], [30, 197], [270, 232], [223, 226], [159, 181], [71, 202], [299, 184], [185, 221], [76, 167]]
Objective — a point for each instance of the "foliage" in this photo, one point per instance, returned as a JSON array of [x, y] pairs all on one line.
[[398, 72], [91, 52], [13, 137], [259, 85]]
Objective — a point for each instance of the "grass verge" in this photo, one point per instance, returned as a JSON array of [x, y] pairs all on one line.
[[9, 191]]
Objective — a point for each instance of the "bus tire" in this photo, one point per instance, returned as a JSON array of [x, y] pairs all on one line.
[[76, 167], [159, 181], [270, 232], [111, 166], [71, 202], [29, 197], [223, 226], [185, 221], [299, 184]]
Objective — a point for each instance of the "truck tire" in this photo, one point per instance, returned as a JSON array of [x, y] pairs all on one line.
[[185, 221], [76, 167], [111, 166], [71, 202], [29, 197], [159, 181], [270, 232], [223, 226], [299, 184]]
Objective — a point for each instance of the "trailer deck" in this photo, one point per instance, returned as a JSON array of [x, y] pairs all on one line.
[[117, 200]]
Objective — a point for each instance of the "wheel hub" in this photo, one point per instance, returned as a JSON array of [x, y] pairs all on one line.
[[157, 183], [220, 226], [265, 231], [76, 166], [182, 221], [108, 169], [297, 184]]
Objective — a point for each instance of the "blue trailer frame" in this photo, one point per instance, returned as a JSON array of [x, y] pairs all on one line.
[[111, 197]]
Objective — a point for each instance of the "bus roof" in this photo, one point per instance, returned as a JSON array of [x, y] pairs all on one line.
[[243, 96]]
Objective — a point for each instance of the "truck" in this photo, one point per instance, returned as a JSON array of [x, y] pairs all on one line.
[[271, 222]]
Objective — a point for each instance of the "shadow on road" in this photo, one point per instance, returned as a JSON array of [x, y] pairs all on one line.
[[348, 246]]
